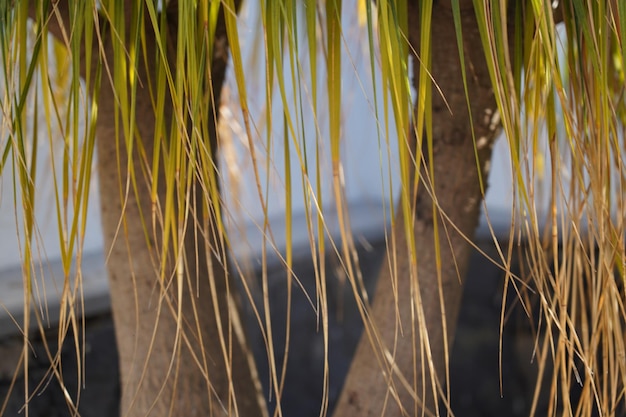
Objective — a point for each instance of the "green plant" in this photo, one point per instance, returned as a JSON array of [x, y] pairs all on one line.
[[152, 79]]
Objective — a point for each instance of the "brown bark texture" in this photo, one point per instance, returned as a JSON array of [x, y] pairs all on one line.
[[199, 365], [397, 382]]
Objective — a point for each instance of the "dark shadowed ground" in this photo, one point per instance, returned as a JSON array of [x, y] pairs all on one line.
[[474, 368]]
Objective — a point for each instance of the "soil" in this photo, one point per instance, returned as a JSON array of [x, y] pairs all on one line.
[[475, 365]]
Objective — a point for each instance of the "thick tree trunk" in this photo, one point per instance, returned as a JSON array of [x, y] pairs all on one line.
[[193, 370], [393, 385]]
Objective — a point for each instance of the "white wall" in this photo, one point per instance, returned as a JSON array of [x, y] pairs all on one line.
[[366, 168]]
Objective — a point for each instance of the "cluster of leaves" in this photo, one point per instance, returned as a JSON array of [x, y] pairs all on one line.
[[562, 114]]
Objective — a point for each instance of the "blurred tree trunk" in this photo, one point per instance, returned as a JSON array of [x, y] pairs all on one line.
[[397, 384], [163, 372]]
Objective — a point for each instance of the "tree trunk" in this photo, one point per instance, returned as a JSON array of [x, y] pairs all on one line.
[[393, 385], [193, 370]]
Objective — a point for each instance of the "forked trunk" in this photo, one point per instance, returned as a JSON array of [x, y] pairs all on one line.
[[203, 367], [197, 371], [397, 383]]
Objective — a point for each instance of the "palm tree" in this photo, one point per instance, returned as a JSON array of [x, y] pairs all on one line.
[[152, 81]]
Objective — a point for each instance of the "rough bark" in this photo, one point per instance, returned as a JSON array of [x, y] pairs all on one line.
[[166, 370], [373, 388], [160, 377]]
